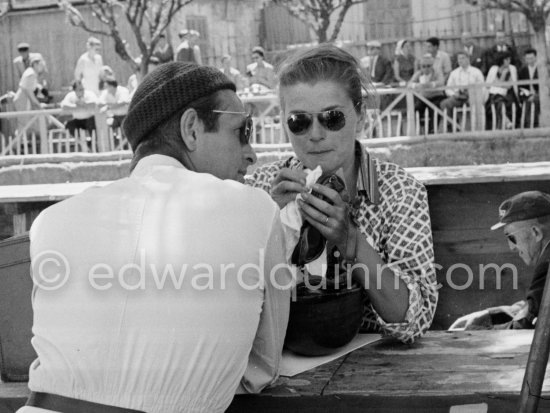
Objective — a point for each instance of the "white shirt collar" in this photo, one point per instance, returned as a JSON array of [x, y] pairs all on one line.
[[149, 162]]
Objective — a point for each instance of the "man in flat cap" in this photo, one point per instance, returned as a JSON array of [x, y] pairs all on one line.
[[525, 219], [169, 291], [23, 62]]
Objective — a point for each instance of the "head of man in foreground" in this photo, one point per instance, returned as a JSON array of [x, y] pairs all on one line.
[[192, 114]]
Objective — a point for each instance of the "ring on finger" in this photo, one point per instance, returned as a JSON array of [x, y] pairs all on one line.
[[326, 220]]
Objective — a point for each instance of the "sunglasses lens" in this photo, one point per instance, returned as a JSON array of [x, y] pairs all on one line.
[[333, 120], [512, 239], [246, 131], [299, 123]]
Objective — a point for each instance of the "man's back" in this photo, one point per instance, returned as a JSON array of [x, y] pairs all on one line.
[[162, 305]]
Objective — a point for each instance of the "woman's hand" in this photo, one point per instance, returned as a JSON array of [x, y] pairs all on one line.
[[287, 184], [332, 221]]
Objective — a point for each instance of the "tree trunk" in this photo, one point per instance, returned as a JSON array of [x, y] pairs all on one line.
[[544, 91]]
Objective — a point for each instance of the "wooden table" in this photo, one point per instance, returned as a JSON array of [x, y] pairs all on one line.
[[441, 370]]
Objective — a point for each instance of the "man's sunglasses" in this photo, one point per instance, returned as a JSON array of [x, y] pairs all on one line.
[[332, 120], [248, 125], [512, 238], [426, 66]]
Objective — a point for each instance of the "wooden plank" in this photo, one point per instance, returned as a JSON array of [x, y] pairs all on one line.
[[440, 364], [482, 173]]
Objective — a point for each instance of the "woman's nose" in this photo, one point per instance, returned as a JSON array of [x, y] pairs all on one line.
[[317, 132]]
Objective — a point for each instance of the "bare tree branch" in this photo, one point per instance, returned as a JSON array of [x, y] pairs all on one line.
[[155, 14], [317, 14]]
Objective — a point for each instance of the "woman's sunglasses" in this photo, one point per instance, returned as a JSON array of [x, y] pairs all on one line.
[[246, 130], [332, 120]]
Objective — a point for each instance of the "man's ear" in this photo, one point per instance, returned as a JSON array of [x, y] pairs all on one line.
[[539, 234], [189, 127]]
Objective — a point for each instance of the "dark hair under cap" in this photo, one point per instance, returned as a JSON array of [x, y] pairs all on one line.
[[167, 89]]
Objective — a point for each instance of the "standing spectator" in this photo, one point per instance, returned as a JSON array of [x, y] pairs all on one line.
[[474, 52], [23, 62], [424, 81], [442, 61], [186, 51], [261, 72], [403, 65], [501, 45], [502, 97], [82, 104], [376, 66], [194, 41], [25, 97], [89, 66], [464, 75], [233, 74], [163, 51], [529, 94], [114, 99]]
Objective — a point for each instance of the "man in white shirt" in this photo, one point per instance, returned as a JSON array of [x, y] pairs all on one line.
[[442, 61], [88, 66], [114, 100], [173, 290], [82, 104], [463, 75]]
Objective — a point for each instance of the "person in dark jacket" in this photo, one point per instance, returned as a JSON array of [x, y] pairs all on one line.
[[525, 218]]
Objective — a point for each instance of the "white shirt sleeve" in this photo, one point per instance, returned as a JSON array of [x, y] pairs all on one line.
[[266, 354]]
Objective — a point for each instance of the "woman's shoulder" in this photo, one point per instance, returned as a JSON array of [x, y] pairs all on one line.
[[394, 178]]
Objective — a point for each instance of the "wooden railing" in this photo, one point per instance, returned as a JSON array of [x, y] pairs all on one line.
[[396, 121]]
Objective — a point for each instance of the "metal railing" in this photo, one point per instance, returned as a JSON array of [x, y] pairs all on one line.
[[396, 121]]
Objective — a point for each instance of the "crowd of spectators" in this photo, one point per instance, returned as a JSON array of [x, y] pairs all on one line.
[[428, 74], [469, 65]]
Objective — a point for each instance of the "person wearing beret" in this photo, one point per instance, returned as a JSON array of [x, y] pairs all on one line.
[[166, 291], [525, 219]]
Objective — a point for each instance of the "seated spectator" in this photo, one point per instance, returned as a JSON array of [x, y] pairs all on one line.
[[501, 45], [233, 74], [403, 65], [377, 68], [529, 94], [474, 52], [502, 97], [82, 104], [114, 100], [442, 61], [163, 51], [464, 75], [260, 72], [424, 81]]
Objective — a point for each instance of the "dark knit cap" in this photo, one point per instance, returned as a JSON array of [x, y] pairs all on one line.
[[167, 89]]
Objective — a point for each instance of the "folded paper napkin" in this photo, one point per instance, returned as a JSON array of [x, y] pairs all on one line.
[[292, 222]]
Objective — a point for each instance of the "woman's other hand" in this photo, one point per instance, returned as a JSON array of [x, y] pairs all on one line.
[[332, 221]]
